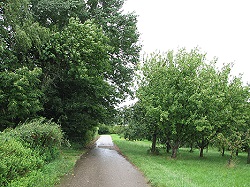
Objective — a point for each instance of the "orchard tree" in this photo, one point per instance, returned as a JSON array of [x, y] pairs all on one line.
[[188, 98], [209, 104], [150, 98], [247, 144], [166, 84], [237, 126], [133, 119]]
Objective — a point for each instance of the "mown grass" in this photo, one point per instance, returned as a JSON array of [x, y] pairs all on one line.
[[188, 169], [51, 173]]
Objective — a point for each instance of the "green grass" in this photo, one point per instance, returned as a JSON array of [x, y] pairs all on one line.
[[188, 169], [51, 173]]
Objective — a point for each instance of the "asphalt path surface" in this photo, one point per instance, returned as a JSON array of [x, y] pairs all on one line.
[[103, 166]]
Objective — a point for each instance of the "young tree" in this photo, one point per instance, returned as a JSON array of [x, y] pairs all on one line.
[[209, 103], [167, 83], [247, 144], [237, 127], [188, 98]]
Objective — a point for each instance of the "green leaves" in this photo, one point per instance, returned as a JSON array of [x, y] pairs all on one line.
[[76, 59], [87, 52], [20, 95], [188, 98]]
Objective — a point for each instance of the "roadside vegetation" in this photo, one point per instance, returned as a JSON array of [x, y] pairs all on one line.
[[64, 67], [188, 169], [66, 61], [35, 154]]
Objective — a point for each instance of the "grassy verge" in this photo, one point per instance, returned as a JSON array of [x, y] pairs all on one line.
[[188, 169], [51, 173]]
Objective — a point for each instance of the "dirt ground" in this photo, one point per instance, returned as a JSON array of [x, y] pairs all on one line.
[[103, 166]]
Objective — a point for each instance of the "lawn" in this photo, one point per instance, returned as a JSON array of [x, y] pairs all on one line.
[[188, 169]]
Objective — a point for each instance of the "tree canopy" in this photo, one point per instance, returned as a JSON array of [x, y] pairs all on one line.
[[77, 60], [189, 100]]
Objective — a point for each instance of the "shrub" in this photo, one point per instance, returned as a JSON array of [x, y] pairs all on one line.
[[89, 135], [41, 135], [16, 160]]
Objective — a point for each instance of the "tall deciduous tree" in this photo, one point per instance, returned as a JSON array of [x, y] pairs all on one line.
[[120, 28], [76, 61], [87, 66], [20, 85]]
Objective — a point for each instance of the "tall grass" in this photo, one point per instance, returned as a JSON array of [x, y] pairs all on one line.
[[188, 169]]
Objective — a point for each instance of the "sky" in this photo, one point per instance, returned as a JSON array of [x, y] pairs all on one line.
[[220, 28]]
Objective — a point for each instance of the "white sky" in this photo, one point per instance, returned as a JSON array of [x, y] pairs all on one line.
[[220, 28]]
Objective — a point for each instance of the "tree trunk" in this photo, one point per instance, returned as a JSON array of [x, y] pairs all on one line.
[[174, 148], [237, 152], [153, 148], [230, 159], [203, 144], [248, 155], [223, 151], [174, 152], [201, 151]]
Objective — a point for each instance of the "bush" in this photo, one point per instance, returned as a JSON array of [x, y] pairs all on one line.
[[26, 148], [16, 160], [44, 136], [89, 135], [103, 129]]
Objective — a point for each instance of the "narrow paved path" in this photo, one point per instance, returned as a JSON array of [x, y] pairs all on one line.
[[103, 166]]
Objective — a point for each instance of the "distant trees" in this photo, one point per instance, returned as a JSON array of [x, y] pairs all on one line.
[[189, 101], [72, 61]]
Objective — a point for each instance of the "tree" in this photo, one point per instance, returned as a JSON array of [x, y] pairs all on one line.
[[20, 95], [237, 126], [20, 43], [75, 62], [22, 36], [209, 103], [120, 28], [247, 144], [82, 78], [188, 98], [168, 81]]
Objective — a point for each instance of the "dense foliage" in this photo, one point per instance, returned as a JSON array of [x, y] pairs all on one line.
[[185, 100], [72, 61], [27, 148]]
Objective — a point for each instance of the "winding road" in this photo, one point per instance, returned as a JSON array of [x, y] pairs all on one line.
[[103, 166]]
